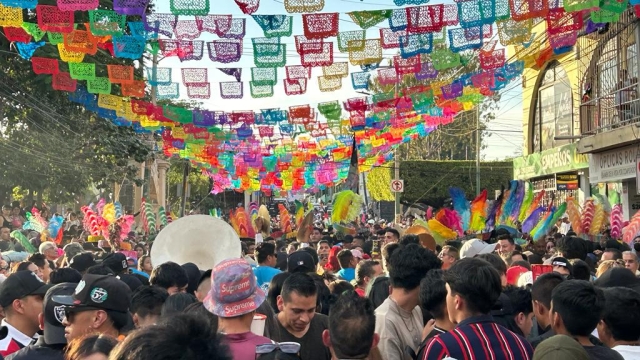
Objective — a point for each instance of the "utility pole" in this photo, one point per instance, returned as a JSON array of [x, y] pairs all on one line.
[[185, 177], [477, 151]]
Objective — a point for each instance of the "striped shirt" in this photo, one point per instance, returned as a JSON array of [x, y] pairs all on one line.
[[478, 338]]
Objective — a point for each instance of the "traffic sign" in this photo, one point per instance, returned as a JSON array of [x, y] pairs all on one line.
[[397, 185]]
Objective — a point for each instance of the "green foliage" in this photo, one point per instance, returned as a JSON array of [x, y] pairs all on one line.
[[428, 182], [199, 187], [53, 146]]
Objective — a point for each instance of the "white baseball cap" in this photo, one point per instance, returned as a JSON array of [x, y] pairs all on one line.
[[474, 247]]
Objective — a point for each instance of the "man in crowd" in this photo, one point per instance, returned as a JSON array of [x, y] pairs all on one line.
[[576, 309], [448, 256], [506, 244], [347, 265], [619, 328], [267, 258], [99, 305], [611, 254], [433, 298], [50, 250], [5, 239], [391, 235], [21, 297], [323, 255], [351, 333], [541, 299], [316, 235], [82, 262], [146, 305], [234, 298], [204, 285], [473, 287], [51, 345], [366, 271], [358, 241], [399, 319], [297, 320], [171, 277], [630, 261]]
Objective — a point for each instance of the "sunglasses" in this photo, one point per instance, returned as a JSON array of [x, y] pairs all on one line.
[[70, 311], [285, 347]]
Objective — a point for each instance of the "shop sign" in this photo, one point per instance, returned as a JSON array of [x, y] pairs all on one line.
[[612, 166], [567, 181], [557, 160]]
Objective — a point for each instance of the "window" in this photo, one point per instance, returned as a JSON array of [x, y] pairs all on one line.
[[553, 115]]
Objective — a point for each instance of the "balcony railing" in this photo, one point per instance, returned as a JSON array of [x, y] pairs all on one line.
[[618, 108]]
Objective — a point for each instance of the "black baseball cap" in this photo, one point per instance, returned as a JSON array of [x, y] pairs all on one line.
[[82, 262], [300, 262], [99, 292], [560, 261], [19, 285], [117, 262], [54, 313]]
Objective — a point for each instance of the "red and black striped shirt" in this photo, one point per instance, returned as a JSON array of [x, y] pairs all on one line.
[[478, 338]]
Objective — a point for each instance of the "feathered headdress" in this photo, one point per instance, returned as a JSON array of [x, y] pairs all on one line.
[[346, 206], [478, 212], [461, 206], [491, 217], [573, 212], [526, 203], [510, 203]]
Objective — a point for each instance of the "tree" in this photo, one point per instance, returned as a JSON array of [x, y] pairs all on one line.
[[52, 146]]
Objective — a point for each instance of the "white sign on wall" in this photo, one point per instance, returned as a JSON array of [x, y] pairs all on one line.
[[612, 166]]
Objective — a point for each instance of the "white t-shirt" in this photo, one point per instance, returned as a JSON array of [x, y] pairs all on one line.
[[628, 352]]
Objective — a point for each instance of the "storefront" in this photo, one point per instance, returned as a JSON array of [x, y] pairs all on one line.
[[560, 171], [613, 173]]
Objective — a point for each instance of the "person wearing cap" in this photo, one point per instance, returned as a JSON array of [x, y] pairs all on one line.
[[99, 304], [560, 347], [21, 297], [348, 264], [562, 266], [300, 261], [51, 345], [474, 247], [267, 258], [234, 298], [81, 262]]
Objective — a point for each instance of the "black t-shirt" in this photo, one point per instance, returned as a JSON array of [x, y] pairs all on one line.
[[311, 346], [602, 353]]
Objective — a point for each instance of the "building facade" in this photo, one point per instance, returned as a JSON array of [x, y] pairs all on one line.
[[610, 109]]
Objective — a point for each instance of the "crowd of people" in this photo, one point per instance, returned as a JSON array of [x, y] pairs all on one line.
[[376, 295]]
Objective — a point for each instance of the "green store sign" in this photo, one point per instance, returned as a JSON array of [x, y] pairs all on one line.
[[561, 159]]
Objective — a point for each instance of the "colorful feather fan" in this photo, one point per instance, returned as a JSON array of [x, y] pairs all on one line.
[[233, 221], [491, 217], [346, 206], [90, 221], [606, 206], [429, 214], [543, 226], [461, 206], [536, 202], [510, 203], [573, 211], [632, 230], [143, 207], [126, 222], [588, 212], [109, 213], [162, 216], [440, 232], [18, 235], [616, 219], [559, 213], [118, 208], [532, 220], [528, 199], [450, 219], [599, 218], [517, 205], [150, 218], [253, 214], [500, 210], [54, 226], [299, 213], [100, 206], [285, 219], [243, 223], [478, 212]]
